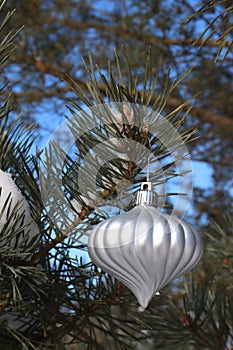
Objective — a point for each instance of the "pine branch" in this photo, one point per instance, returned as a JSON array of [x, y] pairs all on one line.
[[221, 20], [49, 295]]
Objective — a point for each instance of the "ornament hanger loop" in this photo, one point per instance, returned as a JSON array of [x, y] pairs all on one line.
[[148, 169]]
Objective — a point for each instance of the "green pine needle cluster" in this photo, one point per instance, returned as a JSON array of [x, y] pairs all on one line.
[[50, 296], [220, 28]]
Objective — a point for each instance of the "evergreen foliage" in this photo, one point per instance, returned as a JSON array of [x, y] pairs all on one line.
[[220, 26], [50, 297]]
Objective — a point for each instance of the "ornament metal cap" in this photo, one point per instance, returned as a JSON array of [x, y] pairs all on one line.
[[146, 196]]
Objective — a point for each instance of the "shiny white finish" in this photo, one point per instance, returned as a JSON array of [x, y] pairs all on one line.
[[9, 190], [144, 249]]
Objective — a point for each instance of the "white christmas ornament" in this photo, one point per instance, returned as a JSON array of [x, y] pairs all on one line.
[[144, 248], [9, 191]]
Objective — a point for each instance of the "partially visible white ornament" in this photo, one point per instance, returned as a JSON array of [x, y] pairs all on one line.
[[144, 248], [9, 190]]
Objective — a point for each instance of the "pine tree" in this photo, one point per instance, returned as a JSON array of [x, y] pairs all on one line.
[[52, 297]]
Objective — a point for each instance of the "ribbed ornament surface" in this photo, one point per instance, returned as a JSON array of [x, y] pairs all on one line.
[[144, 249]]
